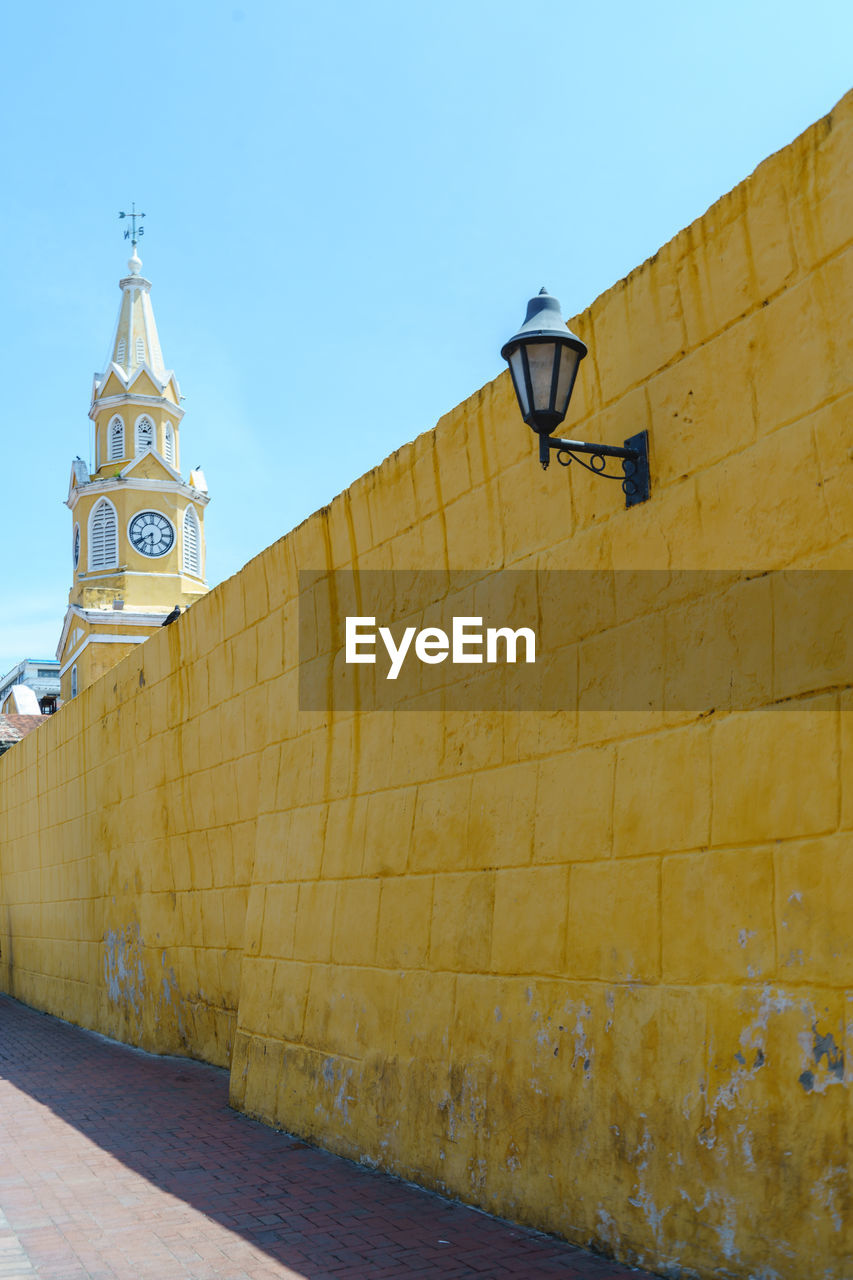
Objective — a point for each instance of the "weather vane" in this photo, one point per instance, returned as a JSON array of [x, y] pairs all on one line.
[[134, 217]]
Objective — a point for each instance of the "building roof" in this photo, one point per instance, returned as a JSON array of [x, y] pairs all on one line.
[[15, 727]]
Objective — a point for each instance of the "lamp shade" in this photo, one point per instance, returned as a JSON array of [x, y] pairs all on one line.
[[543, 358]]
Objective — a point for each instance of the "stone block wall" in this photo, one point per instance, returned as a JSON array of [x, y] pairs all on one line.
[[589, 968]]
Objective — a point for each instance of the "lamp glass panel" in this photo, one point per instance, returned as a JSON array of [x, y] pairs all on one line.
[[516, 363], [540, 357], [569, 361]]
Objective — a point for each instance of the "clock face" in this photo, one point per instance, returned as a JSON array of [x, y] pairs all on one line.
[[151, 533]]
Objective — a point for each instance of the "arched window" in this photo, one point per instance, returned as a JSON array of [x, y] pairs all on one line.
[[120, 350], [144, 434], [74, 681], [103, 536], [169, 444], [192, 543], [115, 440], [140, 351], [76, 545]]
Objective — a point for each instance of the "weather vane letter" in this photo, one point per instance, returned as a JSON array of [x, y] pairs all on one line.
[[134, 231]]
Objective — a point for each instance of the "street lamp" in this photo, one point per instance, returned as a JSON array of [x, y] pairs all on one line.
[[543, 358]]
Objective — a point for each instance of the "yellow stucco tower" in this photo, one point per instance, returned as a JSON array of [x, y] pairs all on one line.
[[138, 527]]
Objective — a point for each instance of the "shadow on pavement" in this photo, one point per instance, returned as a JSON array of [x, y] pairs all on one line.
[[168, 1120]]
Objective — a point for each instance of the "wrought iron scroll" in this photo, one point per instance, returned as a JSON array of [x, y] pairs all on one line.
[[598, 462]]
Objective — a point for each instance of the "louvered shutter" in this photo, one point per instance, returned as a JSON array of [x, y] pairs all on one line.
[[144, 434], [115, 444], [192, 543], [169, 444], [140, 350], [103, 536]]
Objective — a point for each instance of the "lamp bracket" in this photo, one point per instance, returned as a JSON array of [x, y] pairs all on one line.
[[634, 455]]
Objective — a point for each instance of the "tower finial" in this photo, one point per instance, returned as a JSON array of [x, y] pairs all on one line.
[[132, 234]]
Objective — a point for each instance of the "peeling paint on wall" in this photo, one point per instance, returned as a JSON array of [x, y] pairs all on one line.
[[170, 997], [828, 1062], [124, 970]]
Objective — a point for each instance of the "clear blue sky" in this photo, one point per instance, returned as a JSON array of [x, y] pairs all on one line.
[[350, 200]]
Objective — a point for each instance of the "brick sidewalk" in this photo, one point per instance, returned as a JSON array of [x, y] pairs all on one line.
[[117, 1164]]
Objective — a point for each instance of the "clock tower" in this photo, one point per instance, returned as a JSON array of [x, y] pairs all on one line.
[[137, 538]]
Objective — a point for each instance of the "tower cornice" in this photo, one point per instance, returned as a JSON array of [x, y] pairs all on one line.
[[135, 282], [118, 483], [130, 398]]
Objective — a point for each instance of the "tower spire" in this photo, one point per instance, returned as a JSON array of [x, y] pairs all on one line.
[[135, 341]]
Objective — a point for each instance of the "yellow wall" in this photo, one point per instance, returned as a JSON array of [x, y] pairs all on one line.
[[589, 969]]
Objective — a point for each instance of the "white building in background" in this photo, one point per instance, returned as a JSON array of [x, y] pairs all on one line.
[[30, 688]]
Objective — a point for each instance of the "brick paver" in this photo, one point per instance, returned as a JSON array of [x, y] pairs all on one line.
[[118, 1165]]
